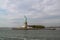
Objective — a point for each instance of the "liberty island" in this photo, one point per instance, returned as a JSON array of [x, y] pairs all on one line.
[[29, 27]]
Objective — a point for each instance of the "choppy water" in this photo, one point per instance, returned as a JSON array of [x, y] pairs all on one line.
[[29, 34]]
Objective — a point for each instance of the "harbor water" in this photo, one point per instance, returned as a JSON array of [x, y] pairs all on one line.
[[29, 34]]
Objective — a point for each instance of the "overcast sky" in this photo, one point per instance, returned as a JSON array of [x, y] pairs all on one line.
[[44, 12]]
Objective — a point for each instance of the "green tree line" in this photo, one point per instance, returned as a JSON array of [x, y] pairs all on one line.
[[37, 26]]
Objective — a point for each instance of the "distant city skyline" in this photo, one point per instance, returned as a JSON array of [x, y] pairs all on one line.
[[41, 12]]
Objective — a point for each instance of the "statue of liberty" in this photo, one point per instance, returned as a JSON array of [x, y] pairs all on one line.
[[25, 23]]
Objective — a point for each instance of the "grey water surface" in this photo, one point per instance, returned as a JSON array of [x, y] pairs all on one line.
[[29, 34]]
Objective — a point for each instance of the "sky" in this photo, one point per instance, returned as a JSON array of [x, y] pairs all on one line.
[[39, 12]]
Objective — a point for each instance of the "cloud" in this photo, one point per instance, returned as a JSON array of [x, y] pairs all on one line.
[[14, 10]]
